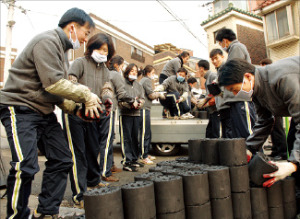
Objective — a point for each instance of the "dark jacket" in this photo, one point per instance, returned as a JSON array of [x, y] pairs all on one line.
[[276, 93], [41, 64]]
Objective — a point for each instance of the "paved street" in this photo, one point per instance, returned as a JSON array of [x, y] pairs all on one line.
[[125, 177]]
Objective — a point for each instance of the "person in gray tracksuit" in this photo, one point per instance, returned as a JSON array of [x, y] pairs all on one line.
[[88, 139], [216, 56], [129, 119], [242, 112], [36, 83], [173, 65], [145, 120], [275, 90], [118, 84], [177, 93], [213, 126]]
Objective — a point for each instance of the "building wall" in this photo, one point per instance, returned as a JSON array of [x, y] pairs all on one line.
[[256, 48], [287, 49]]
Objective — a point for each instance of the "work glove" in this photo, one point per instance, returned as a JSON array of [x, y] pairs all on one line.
[[108, 106], [92, 105], [181, 99], [135, 104], [162, 96], [249, 155], [284, 169], [201, 103]]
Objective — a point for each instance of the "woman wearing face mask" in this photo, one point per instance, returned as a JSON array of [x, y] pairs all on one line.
[[84, 137], [117, 81], [129, 119], [145, 122], [177, 94]]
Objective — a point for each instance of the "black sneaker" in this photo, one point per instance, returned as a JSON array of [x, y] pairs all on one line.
[[129, 167], [137, 164]]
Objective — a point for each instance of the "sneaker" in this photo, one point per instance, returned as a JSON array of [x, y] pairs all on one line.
[[79, 204], [184, 116], [110, 178], [100, 185], [37, 215], [129, 167], [151, 157], [147, 161], [190, 115], [137, 164], [115, 169]]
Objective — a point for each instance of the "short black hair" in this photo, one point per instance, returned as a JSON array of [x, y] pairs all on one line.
[[215, 52], [75, 15], [115, 60], [191, 80], [233, 71], [266, 61], [182, 70], [203, 63], [225, 33]]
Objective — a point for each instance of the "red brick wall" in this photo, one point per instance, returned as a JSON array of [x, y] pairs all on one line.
[[254, 41]]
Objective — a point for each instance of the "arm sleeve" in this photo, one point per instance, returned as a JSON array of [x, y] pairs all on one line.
[[288, 90], [147, 85], [48, 61], [261, 130], [76, 69], [176, 65], [236, 52], [120, 92]]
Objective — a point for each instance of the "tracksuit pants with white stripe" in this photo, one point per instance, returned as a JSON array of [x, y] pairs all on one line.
[[27, 131], [83, 142], [242, 115], [106, 134], [145, 133], [129, 131], [176, 109]]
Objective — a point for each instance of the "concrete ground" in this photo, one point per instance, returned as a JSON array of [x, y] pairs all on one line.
[[67, 204]]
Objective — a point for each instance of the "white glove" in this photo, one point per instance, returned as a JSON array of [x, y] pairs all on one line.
[[92, 106], [159, 88], [162, 96], [135, 104], [284, 169], [181, 99], [200, 103]]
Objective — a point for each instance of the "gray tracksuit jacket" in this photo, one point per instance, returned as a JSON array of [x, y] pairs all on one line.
[[41, 64], [276, 93], [238, 50], [133, 89], [171, 84], [91, 74], [172, 67], [147, 85], [210, 76]]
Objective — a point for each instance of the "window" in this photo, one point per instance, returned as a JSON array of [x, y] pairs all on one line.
[[220, 5], [279, 24], [137, 54]]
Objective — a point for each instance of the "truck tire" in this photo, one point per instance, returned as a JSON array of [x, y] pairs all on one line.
[[164, 149]]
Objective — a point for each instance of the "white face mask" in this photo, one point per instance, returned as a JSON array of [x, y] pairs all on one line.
[[244, 94], [98, 57], [132, 77], [76, 44]]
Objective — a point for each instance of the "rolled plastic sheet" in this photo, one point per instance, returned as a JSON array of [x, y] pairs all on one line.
[[239, 178], [195, 187], [232, 152], [103, 203], [241, 204], [259, 203], [219, 182], [221, 208], [258, 166], [209, 151], [194, 152], [198, 211], [168, 194], [138, 200], [147, 176]]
